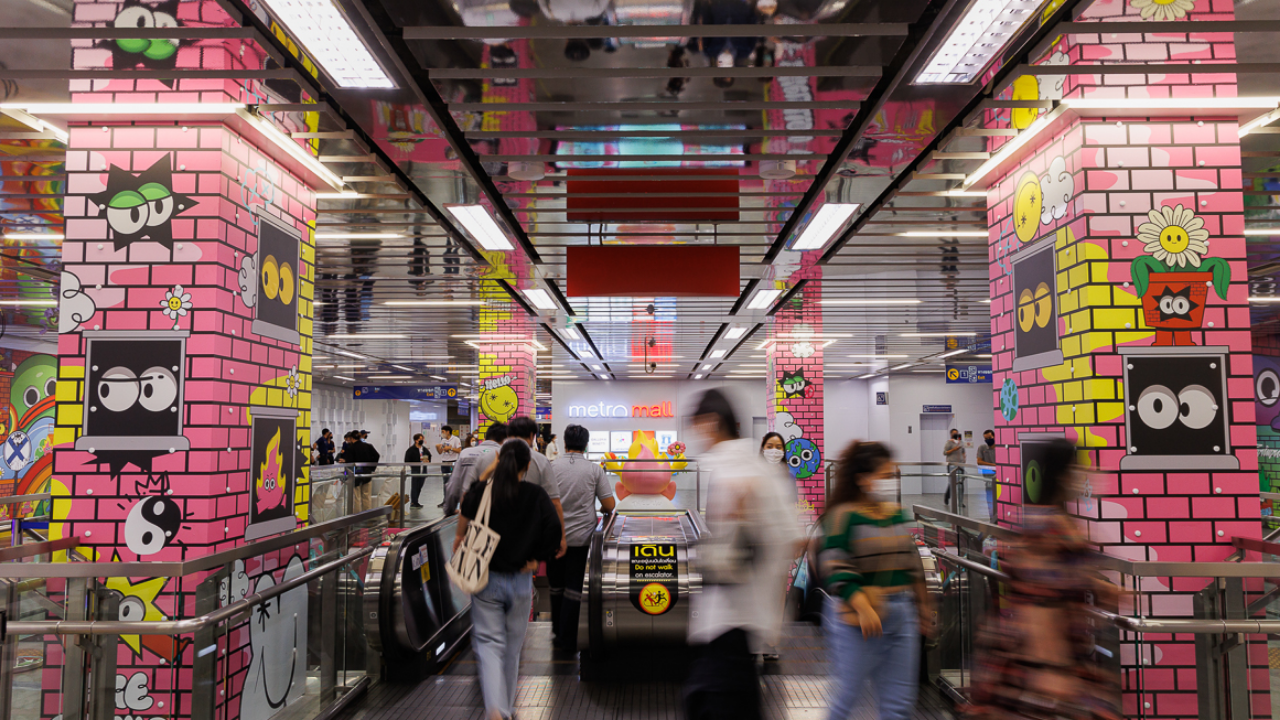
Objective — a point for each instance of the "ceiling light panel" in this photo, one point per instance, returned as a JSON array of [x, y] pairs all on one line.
[[481, 225], [987, 26], [824, 226], [331, 41]]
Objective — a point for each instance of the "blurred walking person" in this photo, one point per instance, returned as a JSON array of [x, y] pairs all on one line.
[[745, 558], [876, 600], [581, 484], [1038, 657], [529, 531]]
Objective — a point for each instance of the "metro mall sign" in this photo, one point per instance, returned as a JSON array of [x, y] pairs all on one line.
[[606, 410]]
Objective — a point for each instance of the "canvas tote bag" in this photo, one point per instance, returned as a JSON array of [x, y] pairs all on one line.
[[469, 566]]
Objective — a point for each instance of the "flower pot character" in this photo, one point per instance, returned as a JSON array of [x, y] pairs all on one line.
[[1174, 279]]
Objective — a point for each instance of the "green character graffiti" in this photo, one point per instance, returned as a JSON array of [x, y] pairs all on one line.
[[794, 384], [150, 53], [31, 395]]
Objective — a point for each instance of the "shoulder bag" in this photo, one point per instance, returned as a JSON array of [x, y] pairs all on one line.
[[469, 566]]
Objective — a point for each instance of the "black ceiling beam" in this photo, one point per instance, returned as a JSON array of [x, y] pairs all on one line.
[[324, 101], [921, 31], [588, 32], [554, 287], [746, 293], [1011, 66], [393, 40], [786, 297]]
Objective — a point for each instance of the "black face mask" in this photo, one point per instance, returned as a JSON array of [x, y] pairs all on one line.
[[955, 437], [990, 441]]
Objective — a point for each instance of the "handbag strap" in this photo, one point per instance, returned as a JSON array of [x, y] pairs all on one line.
[[486, 502]]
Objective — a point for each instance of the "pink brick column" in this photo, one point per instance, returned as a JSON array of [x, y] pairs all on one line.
[[184, 368], [1120, 322], [795, 390]]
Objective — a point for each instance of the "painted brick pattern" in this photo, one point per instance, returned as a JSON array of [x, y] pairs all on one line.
[[795, 379]]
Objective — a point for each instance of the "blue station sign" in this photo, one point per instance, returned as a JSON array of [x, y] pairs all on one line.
[[405, 392], [968, 374]]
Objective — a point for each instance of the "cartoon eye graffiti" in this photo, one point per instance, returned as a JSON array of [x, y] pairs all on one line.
[[118, 389], [132, 609], [31, 396], [1158, 407], [127, 212], [1176, 304], [270, 277], [1267, 387], [1197, 406], [286, 284], [1044, 305], [138, 16], [158, 388], [1026, 310], [50, 387], [159, 203], [1031, 482]]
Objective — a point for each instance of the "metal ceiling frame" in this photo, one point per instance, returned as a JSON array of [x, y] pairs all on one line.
[[590, 32]]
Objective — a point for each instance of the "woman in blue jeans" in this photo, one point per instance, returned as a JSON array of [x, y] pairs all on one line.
[[875, 585], [524, 518]]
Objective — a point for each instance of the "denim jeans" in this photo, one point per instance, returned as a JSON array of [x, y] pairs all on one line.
[[499, 618], [891, 662]]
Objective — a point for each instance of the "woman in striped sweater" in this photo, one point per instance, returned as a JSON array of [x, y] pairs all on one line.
[[875, 584]]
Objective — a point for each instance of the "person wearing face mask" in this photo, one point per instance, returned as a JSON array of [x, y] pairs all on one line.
[[987, 459], [954, 452], [874, 579], [745, 556], [773, 452]]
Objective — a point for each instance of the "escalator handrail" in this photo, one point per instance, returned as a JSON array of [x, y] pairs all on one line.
[[595, 588], [391, 574]]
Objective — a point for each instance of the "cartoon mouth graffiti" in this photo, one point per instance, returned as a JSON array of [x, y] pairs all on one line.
[[270, 486], [277, 635], [139, 207]]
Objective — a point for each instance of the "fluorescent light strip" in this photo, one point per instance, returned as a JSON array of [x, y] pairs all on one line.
[[438, 377], [824, 226], [1262, 231], [903, 366], [942, 334], [1013, 146], [1260, 121], [864, 377], [571, 333], [540, 298], [331, 42], [716, 354], [943, 233], [763, 299], [387, 377], [697, 377], [433, 303], [406, 369], [953, 352], [358, 236], [343, 377], [979, 36], [734, 333], [34, 236], [481, 225], [125, 108], [886, 301], [36, 303], [291, 146], [339, 196], [1265, 299], [876, 357], [36, 123], [370, 336]]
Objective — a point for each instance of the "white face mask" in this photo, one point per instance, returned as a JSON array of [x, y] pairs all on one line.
[[773, 455], [885, 489]]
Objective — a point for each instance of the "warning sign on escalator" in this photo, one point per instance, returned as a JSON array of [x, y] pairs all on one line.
[[654, 577]]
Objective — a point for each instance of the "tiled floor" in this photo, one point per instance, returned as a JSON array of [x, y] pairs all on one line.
[[793, 689]]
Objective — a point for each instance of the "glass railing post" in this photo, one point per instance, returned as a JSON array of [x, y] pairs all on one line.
[[1210, 694], [102, 658], [73, 690], [329, 638], [204, 658], [8, 651]]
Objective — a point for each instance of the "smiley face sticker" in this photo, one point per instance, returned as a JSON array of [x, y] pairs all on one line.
[[1027, 204]]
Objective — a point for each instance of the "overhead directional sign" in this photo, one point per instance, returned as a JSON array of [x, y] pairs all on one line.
[[405, 392], [968, 374]]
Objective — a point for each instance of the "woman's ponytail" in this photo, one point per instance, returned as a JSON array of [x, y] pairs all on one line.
[[513, 459]]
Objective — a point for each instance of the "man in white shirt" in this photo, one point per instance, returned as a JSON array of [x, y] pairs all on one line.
[[447, 451], [471, 463]]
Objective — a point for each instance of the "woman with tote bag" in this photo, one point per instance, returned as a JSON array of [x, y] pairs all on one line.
[[513, 526]]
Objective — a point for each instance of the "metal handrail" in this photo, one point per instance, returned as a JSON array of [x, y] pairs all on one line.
[[1138, 625], [15, 499], [179, 627], [38, 548], [184, 567], [1154, 568]]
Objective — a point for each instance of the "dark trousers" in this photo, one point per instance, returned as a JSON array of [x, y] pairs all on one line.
[[416, 483], [446, 469], [723, 684], [565, 576]]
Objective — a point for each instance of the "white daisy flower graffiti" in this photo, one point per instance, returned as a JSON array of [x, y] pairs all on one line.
[[1175, 237], [1162, 10], [292, 382], [176, 304]]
